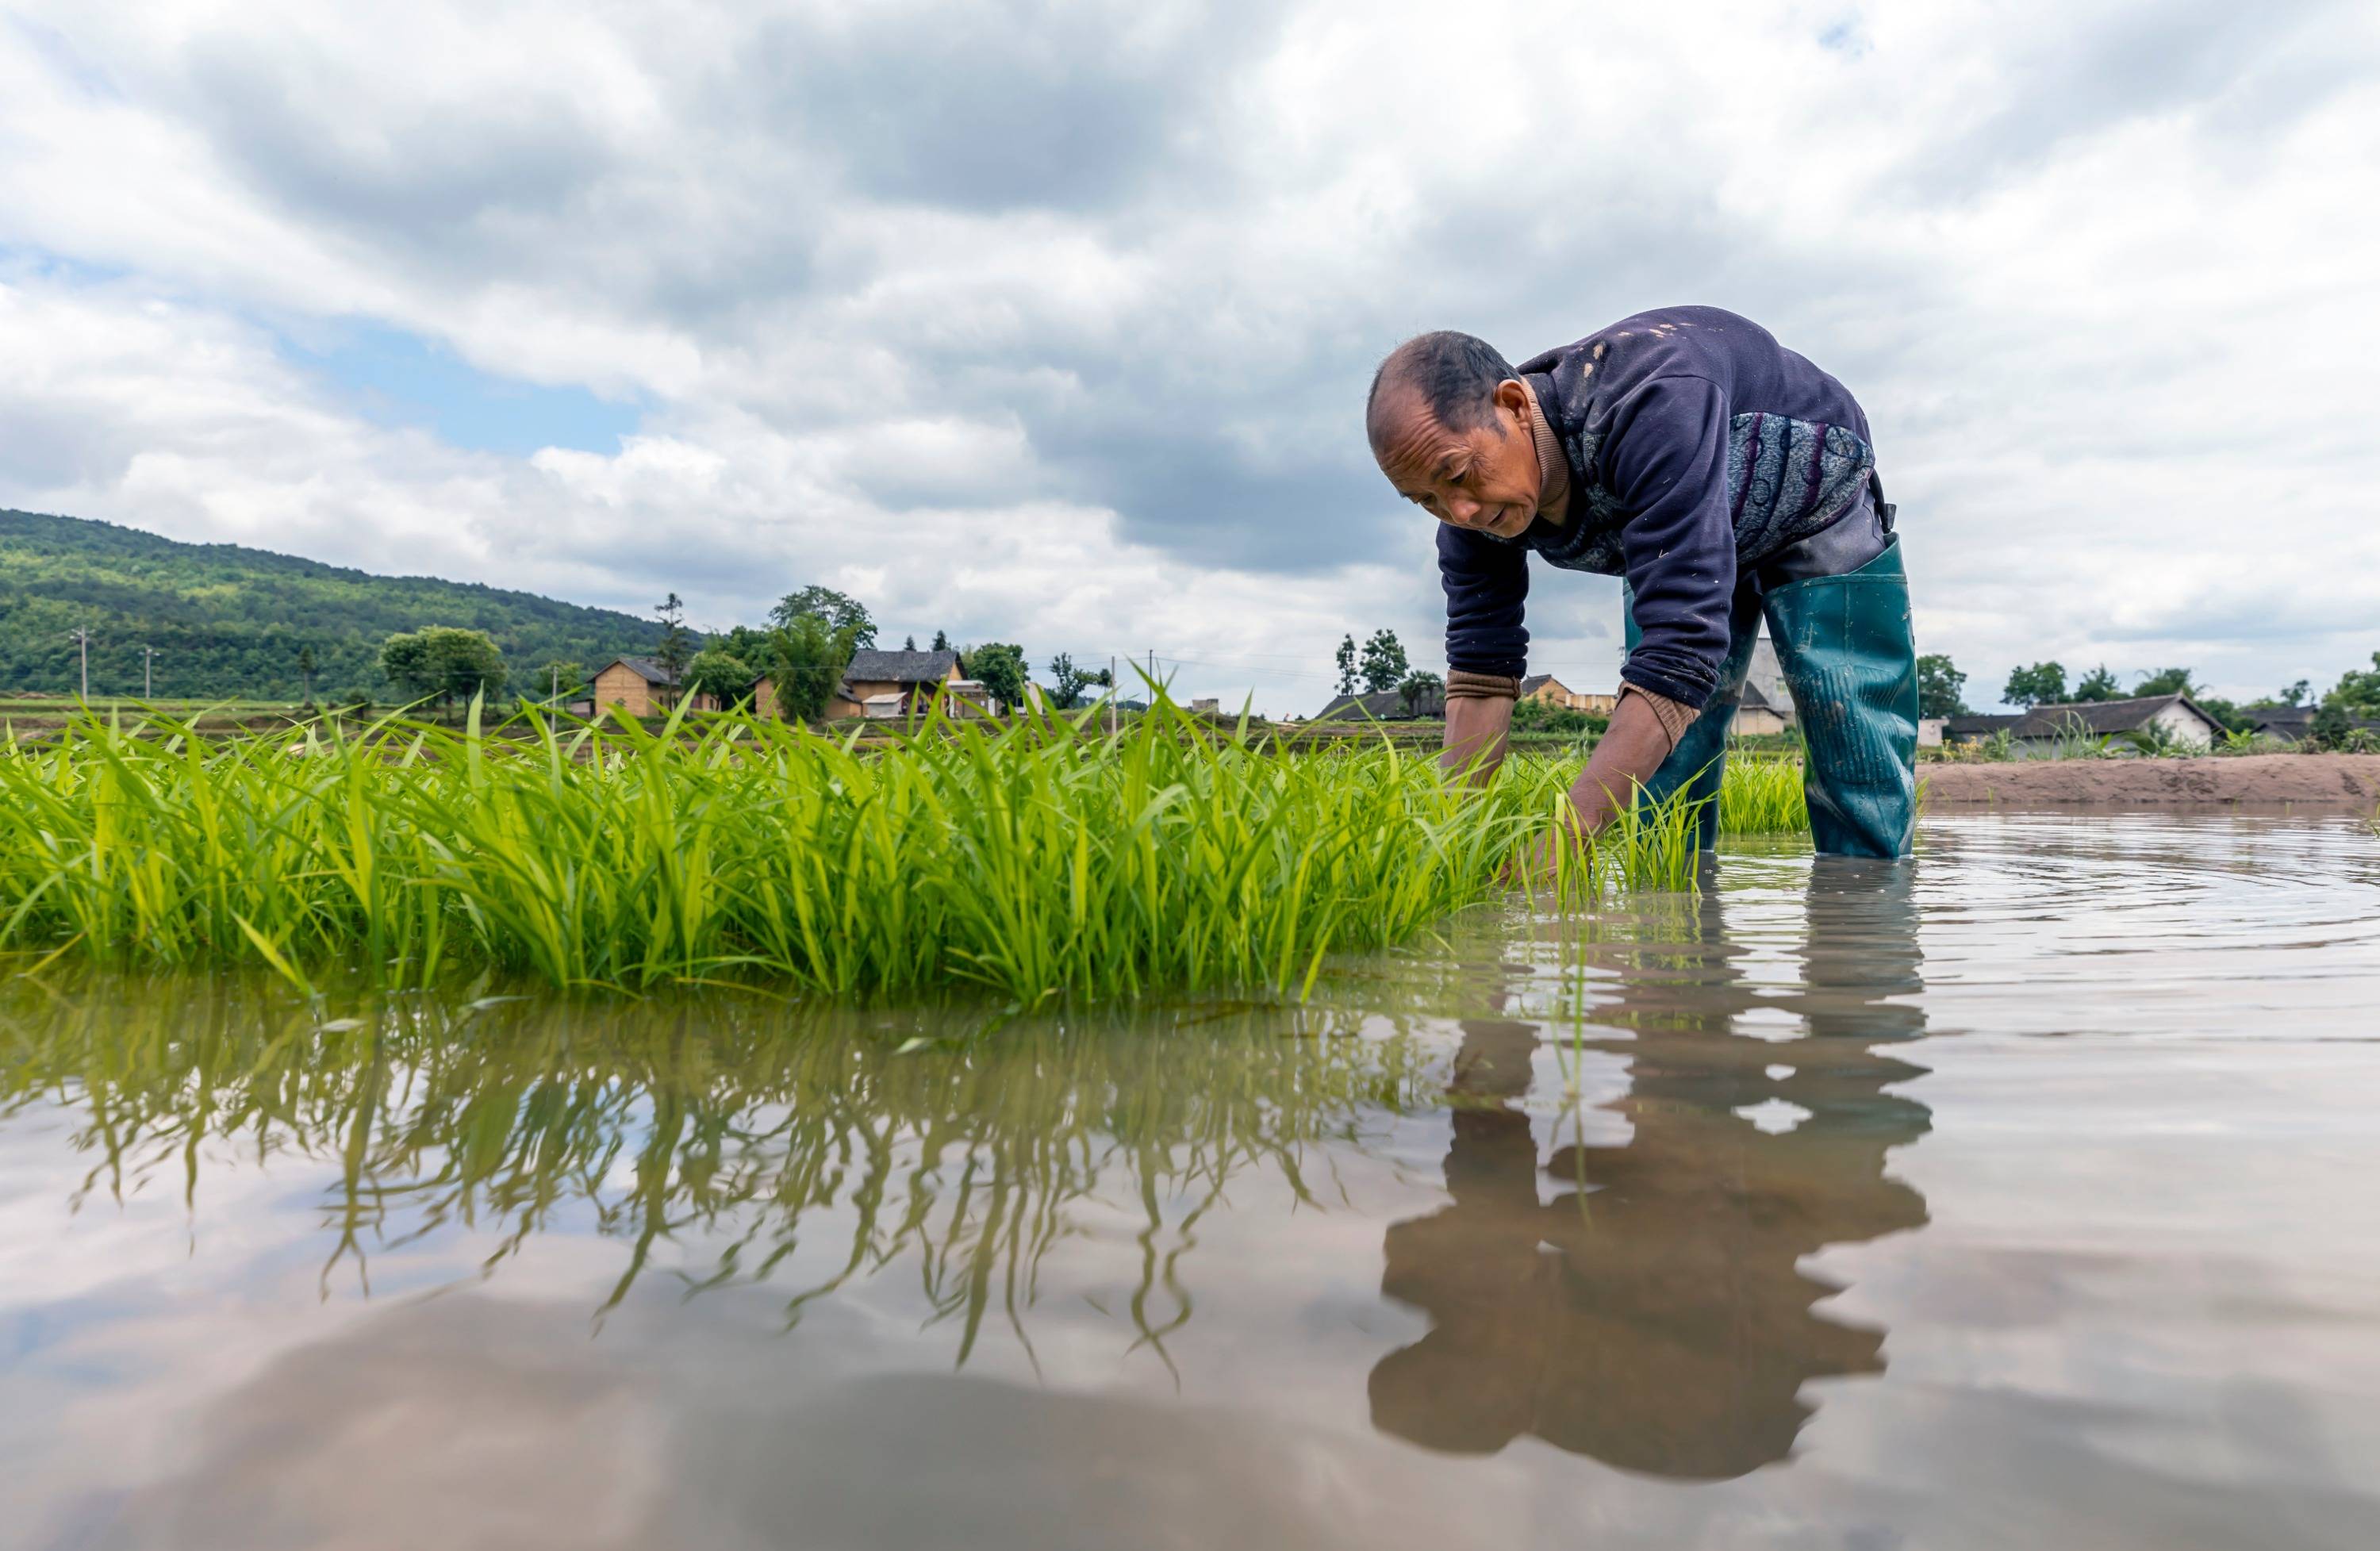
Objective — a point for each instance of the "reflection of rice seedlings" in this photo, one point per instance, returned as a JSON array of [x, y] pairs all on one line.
[[1030, 858], [716, 1143]]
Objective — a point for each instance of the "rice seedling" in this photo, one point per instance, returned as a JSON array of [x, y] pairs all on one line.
[[1027, 860], [1763, 797]]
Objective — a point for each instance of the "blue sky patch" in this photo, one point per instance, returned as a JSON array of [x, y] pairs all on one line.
[[392, 377]]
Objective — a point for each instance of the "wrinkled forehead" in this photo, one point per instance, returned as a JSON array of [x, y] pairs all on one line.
[[1407, 440]]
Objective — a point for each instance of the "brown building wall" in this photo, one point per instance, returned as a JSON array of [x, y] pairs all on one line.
[[625, 687], [1553, 691]]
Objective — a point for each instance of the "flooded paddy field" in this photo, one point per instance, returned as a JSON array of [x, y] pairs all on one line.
[[2020, 1195]]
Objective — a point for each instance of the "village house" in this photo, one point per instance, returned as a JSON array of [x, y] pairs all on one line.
[[2039, 732], [1553, 691], [1755, 717], [1386, 704], [884, 685], [641, 687]]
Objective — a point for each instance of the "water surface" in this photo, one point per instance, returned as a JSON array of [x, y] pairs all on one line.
[[2017, 1195]]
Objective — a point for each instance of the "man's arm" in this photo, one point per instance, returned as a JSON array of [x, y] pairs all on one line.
[[1476, 730], [1487, 584]]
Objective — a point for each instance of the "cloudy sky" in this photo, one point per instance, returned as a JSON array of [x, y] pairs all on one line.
[[1050, 322]]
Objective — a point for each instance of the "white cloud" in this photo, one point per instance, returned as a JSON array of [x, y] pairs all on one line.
[[1057, 319]]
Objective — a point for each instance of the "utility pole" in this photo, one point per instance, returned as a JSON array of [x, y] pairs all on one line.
[[148, 673], [81, 636]]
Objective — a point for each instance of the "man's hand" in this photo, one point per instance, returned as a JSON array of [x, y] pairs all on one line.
[[1631, 749]]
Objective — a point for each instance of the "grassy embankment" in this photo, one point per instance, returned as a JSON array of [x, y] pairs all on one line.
[[1027, 860]]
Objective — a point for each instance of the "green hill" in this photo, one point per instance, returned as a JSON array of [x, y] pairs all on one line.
[[228, 622]]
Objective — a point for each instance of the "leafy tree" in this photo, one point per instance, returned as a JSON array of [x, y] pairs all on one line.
[[840, 611], [1384, 665], [1001, 669], [1938, 686], [1345, 658], [942, 642], [2043, 683], [1068, 681], [2291, 694], [1415, 688], [2357, 693], [908, 643], [2332, 725], [2098, 684], [443, 663], [807, 657], [556, 678], [2165, 681], [306, 667], [2233, 717], [677, 646], [723, 675]]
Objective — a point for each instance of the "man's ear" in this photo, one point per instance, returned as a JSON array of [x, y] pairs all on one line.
[[1513, 399]]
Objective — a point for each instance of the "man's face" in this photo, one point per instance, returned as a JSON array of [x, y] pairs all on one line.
[[1486, 479]]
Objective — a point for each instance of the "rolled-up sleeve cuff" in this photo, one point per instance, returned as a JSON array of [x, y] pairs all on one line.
[[1460, 686], [1693, 691], [1674, 717]]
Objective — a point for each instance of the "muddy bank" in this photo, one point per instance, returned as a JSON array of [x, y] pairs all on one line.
[[2252, 778]]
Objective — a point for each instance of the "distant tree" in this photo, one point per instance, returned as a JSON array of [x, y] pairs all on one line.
[[839, 610], [1000, 667], [1939, 683], [440, 663], [2291, 695], [2233, 717], [2043, 683], [723, 675], [556, 678], [2097, 685], [2331, 726], [2357, 693], [2165, 681], [1343, 660], [306, 667], [807, 657], [908, 643], [676, 647], [1384, 664], [1414, 687], [942, 642], [1068, 681]]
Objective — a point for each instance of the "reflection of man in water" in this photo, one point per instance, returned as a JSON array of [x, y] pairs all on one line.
[[1659, 1319]]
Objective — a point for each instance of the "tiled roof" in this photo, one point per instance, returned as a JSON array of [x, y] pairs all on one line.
[[870, 666], [645, 668], [2100, 716]]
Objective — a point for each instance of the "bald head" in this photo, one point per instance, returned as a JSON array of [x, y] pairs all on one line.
[[1451, 378], [1449, 426]]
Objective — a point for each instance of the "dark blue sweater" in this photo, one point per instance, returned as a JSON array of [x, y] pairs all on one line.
[[1698, 446]]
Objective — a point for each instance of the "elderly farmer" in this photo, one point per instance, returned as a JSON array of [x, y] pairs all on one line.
[[1727, 480]]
